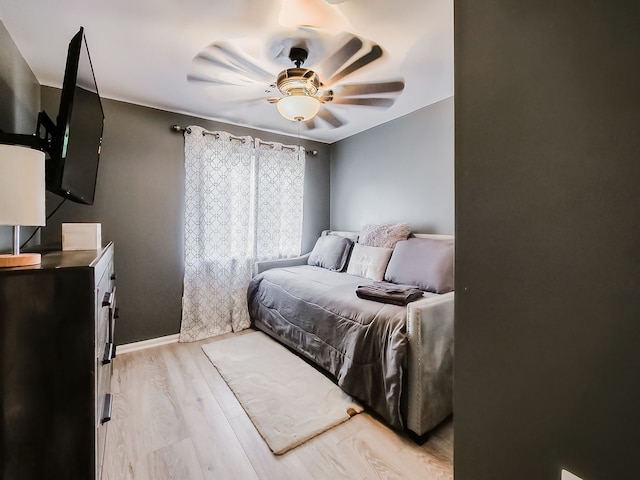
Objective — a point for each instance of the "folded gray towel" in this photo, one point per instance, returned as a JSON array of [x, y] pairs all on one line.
[[392, 293]]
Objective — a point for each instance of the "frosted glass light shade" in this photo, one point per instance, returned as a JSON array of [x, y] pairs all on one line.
[[298, 107], [22, 186]]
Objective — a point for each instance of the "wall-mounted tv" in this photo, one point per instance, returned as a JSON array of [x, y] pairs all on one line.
[[72, 169]]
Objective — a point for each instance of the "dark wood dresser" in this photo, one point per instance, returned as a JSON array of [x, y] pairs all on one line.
[[56, 348]]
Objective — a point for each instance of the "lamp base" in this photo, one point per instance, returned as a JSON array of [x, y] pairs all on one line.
[[20, 260]]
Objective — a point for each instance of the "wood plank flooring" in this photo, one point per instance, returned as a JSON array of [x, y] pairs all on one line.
[[175, 418]]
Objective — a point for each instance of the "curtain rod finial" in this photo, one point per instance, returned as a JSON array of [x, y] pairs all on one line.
[[178, 128]]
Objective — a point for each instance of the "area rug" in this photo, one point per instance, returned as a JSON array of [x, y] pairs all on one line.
[[287, 400]]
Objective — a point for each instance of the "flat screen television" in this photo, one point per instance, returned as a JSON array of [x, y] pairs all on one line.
[[74, 154]]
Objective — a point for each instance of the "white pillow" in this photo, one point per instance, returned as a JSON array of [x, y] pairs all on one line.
[[369, 262]]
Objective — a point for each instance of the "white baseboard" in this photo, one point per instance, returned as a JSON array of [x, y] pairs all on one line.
[[152, 342]]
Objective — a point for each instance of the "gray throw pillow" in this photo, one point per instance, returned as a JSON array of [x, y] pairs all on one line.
[[331, 252], [424, 262]]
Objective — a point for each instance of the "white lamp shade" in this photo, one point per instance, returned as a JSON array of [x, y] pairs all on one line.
[[298, 107], [22, 186]]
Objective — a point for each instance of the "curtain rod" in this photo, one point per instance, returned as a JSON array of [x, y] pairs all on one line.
[[181, 129], [178, 128], [272, 144]]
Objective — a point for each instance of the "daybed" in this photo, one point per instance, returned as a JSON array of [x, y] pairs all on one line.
[[397, 360]]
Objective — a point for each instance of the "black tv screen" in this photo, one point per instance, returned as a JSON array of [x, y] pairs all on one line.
[[72, 168]]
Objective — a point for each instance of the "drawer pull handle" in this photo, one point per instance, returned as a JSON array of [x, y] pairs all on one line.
[[109, 298], [106, 300], [109, 353], [106, 409]]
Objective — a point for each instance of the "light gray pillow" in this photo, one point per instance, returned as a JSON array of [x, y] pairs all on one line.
[[384, 235], [424, 262], [331, 252]]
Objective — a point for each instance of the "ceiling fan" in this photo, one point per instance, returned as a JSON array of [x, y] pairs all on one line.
[[302, 93]]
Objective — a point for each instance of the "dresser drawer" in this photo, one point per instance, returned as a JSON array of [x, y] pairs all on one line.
[[106, 401], [104, 389], [105, 346]]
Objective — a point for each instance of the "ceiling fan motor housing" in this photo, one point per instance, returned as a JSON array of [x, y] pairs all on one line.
[[298, 81]]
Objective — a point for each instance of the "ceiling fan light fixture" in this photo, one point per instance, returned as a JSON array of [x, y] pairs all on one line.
[[298, 107]]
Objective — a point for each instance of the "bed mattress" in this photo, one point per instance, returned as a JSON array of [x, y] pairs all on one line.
[[361, 343]]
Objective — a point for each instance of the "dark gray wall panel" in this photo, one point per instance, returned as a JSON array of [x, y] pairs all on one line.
[[139, 201], [399, 171], [547, 257]]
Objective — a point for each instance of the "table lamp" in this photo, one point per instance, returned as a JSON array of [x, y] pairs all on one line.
[[22, 197]]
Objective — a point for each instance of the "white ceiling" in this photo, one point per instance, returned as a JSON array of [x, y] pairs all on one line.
[[142, 51]]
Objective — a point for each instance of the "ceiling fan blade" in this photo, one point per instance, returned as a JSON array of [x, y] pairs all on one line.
[[325, 96], [310, 124], [341, 56], [240, 103], [242, 63], [210, 58], [367, 88], [207, 59], [207, 79], [371, 56], [368, 102], [330, 118], [253, 101]]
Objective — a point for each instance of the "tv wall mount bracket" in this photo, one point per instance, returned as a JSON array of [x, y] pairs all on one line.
[[42, 139]]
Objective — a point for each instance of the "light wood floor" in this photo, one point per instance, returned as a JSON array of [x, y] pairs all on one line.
[[175, 418]]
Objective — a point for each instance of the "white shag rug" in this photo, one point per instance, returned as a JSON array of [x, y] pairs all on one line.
[[288, 400]]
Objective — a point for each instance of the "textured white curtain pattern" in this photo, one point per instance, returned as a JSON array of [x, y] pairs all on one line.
[[240, 201], [279, 182]]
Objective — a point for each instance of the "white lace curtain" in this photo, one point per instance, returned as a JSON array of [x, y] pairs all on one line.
[[243, 202]]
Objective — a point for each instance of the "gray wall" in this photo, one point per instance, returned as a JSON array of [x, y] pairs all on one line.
[[139, 200], [399, 171], [19, 106], [548, 260]]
